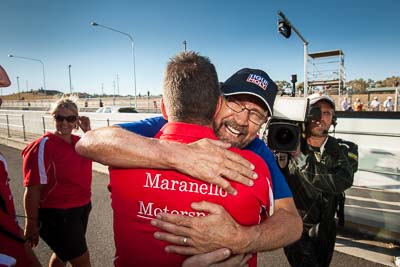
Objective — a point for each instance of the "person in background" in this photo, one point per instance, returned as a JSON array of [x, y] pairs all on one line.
[[345, 105], [318, 173], [388, 104], [13, 247], [358, 105], [58, 188], [374, 106]]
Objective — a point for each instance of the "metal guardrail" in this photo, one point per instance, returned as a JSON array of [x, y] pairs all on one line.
[[10, 126], [144, 103], [368, 133], [46, 119], [379, 172], [14, 124]]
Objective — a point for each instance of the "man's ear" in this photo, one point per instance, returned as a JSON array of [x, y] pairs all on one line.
[[163, 110], [219, 106]]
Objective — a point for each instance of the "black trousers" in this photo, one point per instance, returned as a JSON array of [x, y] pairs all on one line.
[[313, 251]]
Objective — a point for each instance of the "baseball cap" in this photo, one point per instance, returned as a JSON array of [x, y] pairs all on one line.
[[252, 82], [314, 98]]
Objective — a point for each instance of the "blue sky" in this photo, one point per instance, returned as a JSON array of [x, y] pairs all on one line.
[[234, 34]]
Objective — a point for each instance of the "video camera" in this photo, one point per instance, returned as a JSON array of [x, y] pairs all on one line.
[[285, 127]]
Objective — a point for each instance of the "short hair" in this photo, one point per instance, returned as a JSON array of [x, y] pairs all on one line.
[[64, 102], [191, 89]]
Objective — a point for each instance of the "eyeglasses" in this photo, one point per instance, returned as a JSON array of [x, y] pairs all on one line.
[[70, 119], [254, 116]]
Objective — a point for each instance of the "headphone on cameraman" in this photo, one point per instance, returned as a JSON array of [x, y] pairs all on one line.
[[334, 119]]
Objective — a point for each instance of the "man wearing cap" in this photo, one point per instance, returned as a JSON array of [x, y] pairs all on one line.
[[248, 102], [375, 104], [318, 173], [388, 104]]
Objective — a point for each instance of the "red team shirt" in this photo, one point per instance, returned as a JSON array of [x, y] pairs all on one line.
[[138, 195], [5, 191], [8, 245], [53, 162]]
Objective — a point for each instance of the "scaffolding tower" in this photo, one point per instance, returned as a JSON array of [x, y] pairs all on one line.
[[327, 72]]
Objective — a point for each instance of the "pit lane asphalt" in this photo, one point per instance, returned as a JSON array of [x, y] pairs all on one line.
[[100, 233]]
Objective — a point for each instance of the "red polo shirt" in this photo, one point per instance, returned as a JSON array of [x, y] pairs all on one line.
[[53, 162], [5, 191], [138, 195], [8, 245]]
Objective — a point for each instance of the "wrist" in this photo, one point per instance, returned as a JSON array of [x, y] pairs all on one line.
[[172, 155], [246, 240], [176, 156]]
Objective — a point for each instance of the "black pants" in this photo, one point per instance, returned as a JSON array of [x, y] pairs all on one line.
[[313, 251], [64, 230]]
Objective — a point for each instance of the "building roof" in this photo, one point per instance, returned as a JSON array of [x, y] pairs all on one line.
[[381, 89]]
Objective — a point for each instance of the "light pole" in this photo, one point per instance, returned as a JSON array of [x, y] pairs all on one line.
[[19, 94], [133, 52], [118, 85], [184, 44], [70, 82], [34, 59], [114, 93], [284, 27]]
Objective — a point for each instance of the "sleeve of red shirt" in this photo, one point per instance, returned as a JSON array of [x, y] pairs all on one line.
[[3, 170], [32, 160], [262, 171]]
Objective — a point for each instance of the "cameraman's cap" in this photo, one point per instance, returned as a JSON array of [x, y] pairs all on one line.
[[252, 82], [314, 98]]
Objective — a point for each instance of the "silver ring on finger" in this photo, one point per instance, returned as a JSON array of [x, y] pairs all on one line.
[[184, 240]]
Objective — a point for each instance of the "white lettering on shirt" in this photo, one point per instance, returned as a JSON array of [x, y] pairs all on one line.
[[158, 182], [149, 211]]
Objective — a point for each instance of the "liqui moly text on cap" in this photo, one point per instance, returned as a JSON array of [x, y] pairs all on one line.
[[258, 80]]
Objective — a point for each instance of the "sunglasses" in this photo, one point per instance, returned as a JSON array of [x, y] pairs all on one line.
[[60, 118]]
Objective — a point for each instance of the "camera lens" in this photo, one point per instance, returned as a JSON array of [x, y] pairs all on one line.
[[284, 136]]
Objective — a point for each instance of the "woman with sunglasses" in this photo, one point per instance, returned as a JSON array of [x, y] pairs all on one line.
[[58, 188]]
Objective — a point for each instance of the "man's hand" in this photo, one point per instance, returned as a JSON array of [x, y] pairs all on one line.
[[218, 258], [194, 235], [210, 161]]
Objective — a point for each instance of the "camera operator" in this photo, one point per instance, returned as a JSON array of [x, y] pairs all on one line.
[[318, 173]]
